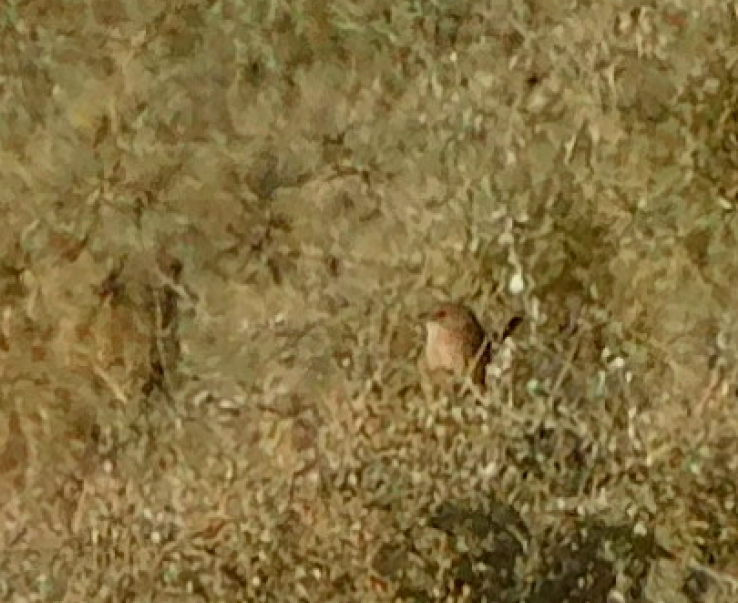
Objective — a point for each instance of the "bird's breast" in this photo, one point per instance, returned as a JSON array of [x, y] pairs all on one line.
[[443, 350]]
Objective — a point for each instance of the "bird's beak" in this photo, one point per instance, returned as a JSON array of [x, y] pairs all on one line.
[[427, 317]]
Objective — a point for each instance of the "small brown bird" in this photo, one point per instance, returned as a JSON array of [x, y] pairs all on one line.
[[457, 345]]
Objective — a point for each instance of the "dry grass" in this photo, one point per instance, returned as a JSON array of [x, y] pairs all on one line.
[[222, 221]]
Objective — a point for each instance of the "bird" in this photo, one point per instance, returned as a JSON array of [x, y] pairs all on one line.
[[457, 344]]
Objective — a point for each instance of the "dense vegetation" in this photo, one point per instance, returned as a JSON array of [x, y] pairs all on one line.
[[222, 222]]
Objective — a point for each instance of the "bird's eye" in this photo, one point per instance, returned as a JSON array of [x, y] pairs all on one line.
[[440, 314]]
